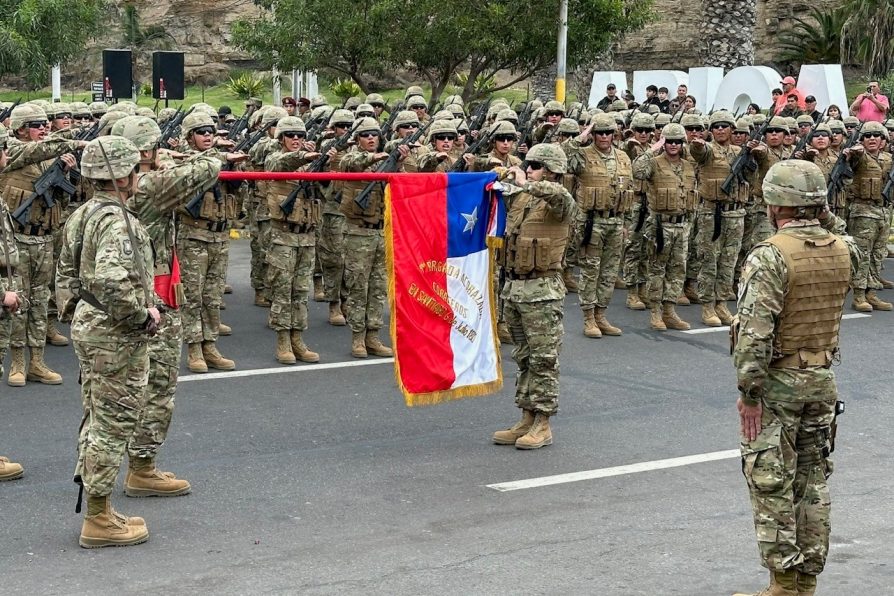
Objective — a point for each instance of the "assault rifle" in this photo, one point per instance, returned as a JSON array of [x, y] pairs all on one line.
[[389, 165], [802, 142], [244, 146], [7, 111], [392, 114], [317, 165], [482, 141], [87, 134], [842, 170], [173, 125], [241, 124], [480, 115], [44, 187], [195, 205]]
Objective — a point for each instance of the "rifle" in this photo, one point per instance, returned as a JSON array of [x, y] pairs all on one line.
[[244, 146], [194, 206], [482, 140], [54, 177], [88, 134], [389, 165], [842, 170], [317, 165], [802, 142], [241, 124], [386, 128], [173, 125], [478, 118], [7, 111]]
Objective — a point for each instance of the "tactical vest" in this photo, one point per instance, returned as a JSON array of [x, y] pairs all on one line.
[[869, 179], [17, 186], [374, 213], [757, 190], [536, 242], [214, 214], [600, 191], [711, 177], [819, 273], [306, 213], [668, 193]]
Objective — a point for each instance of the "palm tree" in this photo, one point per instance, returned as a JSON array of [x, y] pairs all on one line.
[[814, 40], [867, 36], [727, 30]]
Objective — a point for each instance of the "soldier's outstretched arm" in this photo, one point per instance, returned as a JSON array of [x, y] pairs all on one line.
[[175, 186], [25, 154]]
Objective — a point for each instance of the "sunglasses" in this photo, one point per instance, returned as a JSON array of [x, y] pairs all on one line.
[[36, 124], [444, 137], [582, 122], [555, 113], [341, 125], [504, 138], [368, 135], [378, 105], [719, 126], [407, 126], [642, 130], [294, 135], [204, 131], [62, 116], [604, 133], [771, 131], [365, 115], [818, 135], [872, 135], [418, 107], [535, 165], [673, 141], [850, 126], [694, 128]]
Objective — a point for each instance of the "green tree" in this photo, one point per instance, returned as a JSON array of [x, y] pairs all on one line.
[[815, 39], [867, 36], [37, 34]]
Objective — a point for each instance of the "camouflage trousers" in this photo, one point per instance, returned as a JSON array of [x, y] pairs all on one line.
[[114, 378], [572, 249], [635, 261], [718, 258], [35, 269], [871, 235], [756, 229], [164, 368], [667, 269], [5, 330], [331, 253], [204, 270], [536, 329], [260, 241], [599, 261], [366, 286], [786, 473], [291, 274], [692, 263]]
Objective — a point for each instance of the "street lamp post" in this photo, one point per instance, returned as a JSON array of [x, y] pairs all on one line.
[[562, 50]]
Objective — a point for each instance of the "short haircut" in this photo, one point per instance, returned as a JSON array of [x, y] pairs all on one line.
[[652, 88], [777, 91], [663, 90], [692, 98], [683, 85], [792, 96]]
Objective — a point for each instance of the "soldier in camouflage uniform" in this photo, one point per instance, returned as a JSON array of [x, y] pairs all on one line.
[[695, 129], [440, 136], [30, 154], [539, 215], [291, 252], [670, 188], [604, 192], [163, 186], [634, 262], [406, 124], [365, 283], [106, 262], [791, 300]]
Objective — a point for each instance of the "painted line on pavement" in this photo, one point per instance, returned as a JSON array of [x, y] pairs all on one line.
[[646, 466], [280, 370], [853, 315]]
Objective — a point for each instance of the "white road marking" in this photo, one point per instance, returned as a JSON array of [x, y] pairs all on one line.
[[280, 370], [853, 315], [646, 466]]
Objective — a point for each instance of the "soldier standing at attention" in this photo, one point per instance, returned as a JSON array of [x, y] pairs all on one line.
[[109, 254], [634, 260], [537, 225], [292, 241], [441, 136], [672, 195], [29, 155], [365, 282], [791, 301]]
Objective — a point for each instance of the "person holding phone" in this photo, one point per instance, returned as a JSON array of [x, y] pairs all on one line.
[[870, 106]]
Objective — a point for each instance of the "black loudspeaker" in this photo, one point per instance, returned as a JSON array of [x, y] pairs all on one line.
[[167, 75], [117, 74]]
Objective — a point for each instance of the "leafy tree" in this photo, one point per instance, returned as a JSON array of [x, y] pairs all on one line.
[[815, 39], [37, 34], [867, 36]]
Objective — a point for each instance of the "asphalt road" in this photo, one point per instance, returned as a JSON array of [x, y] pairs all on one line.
[[321, 481]]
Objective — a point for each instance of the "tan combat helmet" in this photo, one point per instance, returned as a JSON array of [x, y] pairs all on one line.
[[22, 114], [123, 157], [509, 115], [405, 117], [108, 120], [318, 101], [551, 156], [413, 90], [568, 127], [341, 117], [143, 132], [196, 120], [795, 183], [375, 99], [441, 127], [554, 106], [415, 102], [604, 123], [443, 115], [289, 124], [98, 108], [367, 125], [836, 126], [722, 117], [641, 120], [365, 110], [674, 132], [503, 127]]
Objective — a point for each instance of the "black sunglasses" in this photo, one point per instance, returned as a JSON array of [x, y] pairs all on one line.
[[504, 138], [694, 128], [205, 130], [294, 135], [720, 126], [604, 133], [872, 135], [62, 116], [771, 131], [40, 124], [673, 141], [821, 135], [555, 113], [445, 137], [368, 135], [535, 165], [407, 126], [418, 107], [365, 115], [850, 126], [642, 130]]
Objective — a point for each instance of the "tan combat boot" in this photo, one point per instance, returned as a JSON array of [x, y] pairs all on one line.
[[570, 282], [806, 584], [682, 300], [319, 295], [145, 480], [39, 371], [336, 317], [358, 344], [11, 470], [709, 317], [261, 299], [656, 322], [16, 376], [887, 284], [723, 313], [214, 359], [690, 290], [619, 284], [375, 346], [301, 351], [103, 526], [54, 338], [604, 326], [195, 361], [516, 431], [781, 584], [860, 304], [591, 329], [284, 354], [228, 289], [539, 435], [503, 333], [634, 302], [876, 302], [224, 330], [671, 319]]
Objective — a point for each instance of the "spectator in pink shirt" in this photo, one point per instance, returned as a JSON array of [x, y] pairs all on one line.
[[870, 106]]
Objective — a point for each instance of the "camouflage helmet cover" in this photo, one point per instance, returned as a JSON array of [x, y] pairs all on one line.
[[550, 156], [375, 98], [603, 123], [413, 90], [416, 101], [674, 131], [641, 120], [441, 127], [554, 106], [876, 127], [143, 132], [722, 116], [662, 119], [289, 124], [108, 119], [197, 119], [274, 114], [508, 114], [836, 126], [341, 117], [795, 183], [405, 117], [98, 108], [502, 127], [367, 125], [24, 113], [123, 157], [568, 126], [4, 137]]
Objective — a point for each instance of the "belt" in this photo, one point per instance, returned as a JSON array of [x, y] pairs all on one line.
[[804, 359], [294, 228], [366, 225], [33, 230], [673, 219], [724, 207], [204, 224], [606, 213], [533, 275]]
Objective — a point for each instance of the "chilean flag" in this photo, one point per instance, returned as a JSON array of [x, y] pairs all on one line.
[[440, 269]]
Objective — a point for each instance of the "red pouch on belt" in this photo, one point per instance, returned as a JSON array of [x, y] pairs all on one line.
[[168, 287]]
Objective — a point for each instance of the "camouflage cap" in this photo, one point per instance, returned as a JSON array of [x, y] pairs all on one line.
[[275, 113], [662, 119], [872, 126], [550, 156], [674, 132], [108, 119], [508, 114], [617, 106], [804, 119], [344, 117], [795, 183], [503, 127], [604, 123], [641, 120], [143, 132], [554, 106], [195, 120], [723, 117], [851, 120], [743, 126], [375, 98], [24, 113], [691, 120], [836, 126], [289, 124], [122, 156], [98, 108], [367, 125], [416, 101], [441, 127], [413, 90], [4, 137], [568, 126], [317, 101], [405, 117]]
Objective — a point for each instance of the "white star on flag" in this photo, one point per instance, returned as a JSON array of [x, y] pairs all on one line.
[[471, 220]]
